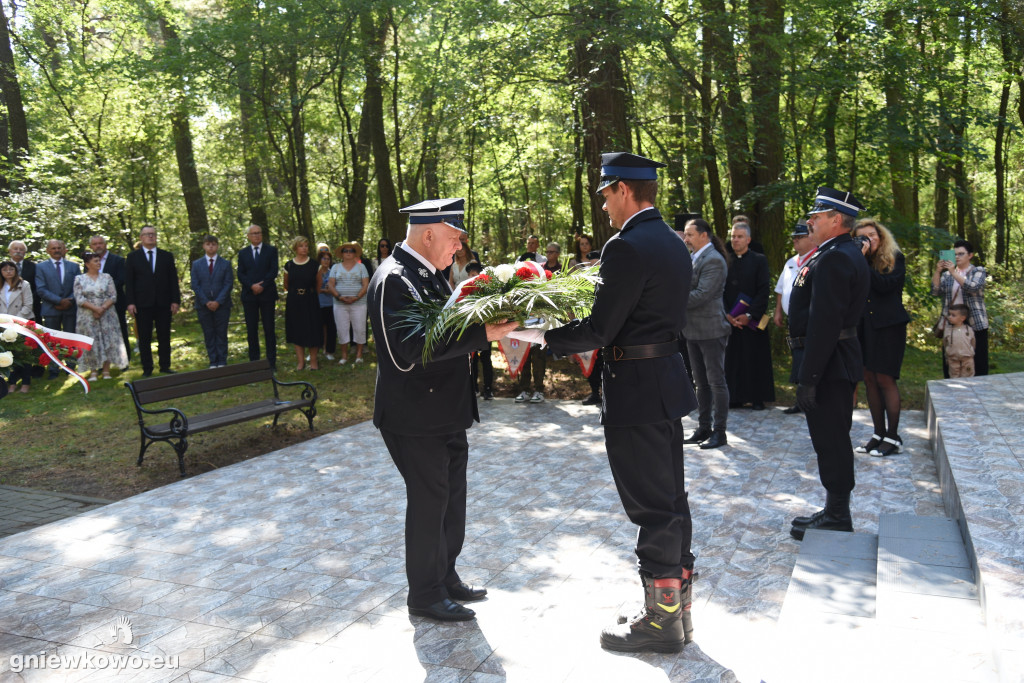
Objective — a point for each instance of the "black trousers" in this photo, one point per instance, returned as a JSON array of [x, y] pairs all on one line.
[[484, 359], [256, 311], [594, 380], [145, 319], [647, 465], [330, 330], [434, 470], [123, 322], [829, 424]]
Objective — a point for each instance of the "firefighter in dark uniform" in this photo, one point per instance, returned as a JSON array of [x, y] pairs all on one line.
[[829, 295], [423, 410], [639, 309]]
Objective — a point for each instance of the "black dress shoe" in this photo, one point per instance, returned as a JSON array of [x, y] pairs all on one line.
[[757, 406], [593, 400], [698, 436], [466, 593], [792, 410], [168, 371], [488, 395], [147, 373], [445, 610], [716, 440]]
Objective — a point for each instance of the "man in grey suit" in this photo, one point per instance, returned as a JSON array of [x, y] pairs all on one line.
[[55, 284], [707, 335], [212, 279]]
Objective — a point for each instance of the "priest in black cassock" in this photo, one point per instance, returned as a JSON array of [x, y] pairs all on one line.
[[748, 357]]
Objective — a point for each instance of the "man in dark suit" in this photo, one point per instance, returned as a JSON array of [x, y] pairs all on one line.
[[153, 295], [423, 409], [27, 271], [257, 273], [639, 309], [828, 298], [212, 279], [55, 284], [113, 265], [707, 335]]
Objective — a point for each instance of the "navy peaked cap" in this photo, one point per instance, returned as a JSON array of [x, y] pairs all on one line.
[[800, 229], [616, 166], [829, 199], [683, 218], [447, 211]]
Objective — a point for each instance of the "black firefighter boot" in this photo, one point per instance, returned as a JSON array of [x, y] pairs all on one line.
[[835, 517], [658, 628]]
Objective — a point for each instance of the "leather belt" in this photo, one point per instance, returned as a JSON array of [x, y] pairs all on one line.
[[302, 292], [640, 351], [798, 342]]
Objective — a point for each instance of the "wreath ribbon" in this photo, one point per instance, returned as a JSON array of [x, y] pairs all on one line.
[[67, 339]]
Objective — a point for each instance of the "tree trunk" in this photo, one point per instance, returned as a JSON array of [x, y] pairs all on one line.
[[766, 18], [195, 207], [707, 144], [835, 96], [297, 132], [716, 28], [600, 85], [17, 124], [360, 149], [694, 154], [373, 36], [896, 119], [941, 219], [1000, 170], [250, 156]]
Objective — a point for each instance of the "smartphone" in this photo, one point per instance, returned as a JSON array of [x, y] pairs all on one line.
[[947, 255]]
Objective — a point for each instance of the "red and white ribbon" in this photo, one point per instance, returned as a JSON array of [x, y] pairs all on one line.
[[66, 339]]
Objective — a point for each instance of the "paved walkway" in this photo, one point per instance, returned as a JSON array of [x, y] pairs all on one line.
[[24, 509], [290, 566]]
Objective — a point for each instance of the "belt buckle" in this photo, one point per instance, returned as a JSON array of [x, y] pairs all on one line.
[[789, 341], [617, 353]]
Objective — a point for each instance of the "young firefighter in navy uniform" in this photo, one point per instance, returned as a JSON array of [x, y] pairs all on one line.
[[423, 410], [829, 295], [639, 309]]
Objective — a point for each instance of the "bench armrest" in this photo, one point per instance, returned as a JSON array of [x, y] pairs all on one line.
[[178, 424], [309, 392]]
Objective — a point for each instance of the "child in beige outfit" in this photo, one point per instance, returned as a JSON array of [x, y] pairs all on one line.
[[958, 342]]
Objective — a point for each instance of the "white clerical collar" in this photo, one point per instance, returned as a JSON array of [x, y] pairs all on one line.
[[700, 251], [430, 266], [648, 208]]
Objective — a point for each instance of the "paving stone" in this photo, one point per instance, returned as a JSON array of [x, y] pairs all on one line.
[[911, 577], [840, 544], [921, 528], [942, 553]]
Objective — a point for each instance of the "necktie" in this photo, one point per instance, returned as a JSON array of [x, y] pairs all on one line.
[[149, 255], [257, 252], [60, 273], [211, 266]]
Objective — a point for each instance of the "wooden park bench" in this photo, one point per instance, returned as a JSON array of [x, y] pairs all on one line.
[[169, 387]]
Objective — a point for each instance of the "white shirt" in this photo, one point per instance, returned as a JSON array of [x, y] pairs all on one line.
[[148, 252], [784, 286], [693, 257], [635, 215], [429, 266], [103, 260]]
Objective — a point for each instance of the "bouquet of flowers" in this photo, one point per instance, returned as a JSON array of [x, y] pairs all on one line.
[[24, 342], [522, 291]]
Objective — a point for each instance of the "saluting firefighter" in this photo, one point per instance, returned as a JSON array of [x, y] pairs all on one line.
[[423, 410], [828, 297], [639, 309]]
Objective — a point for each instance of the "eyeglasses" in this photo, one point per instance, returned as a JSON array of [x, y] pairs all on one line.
[[554, 251], [348, 251]]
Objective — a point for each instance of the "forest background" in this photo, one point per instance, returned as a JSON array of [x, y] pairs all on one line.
[[323, 117]]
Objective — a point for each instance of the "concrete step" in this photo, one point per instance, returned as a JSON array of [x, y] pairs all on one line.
[[899, 605]]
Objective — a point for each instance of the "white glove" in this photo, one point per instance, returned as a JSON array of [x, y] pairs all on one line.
[[531, 336]]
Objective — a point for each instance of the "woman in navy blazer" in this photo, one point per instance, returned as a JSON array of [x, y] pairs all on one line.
[[883, 335]]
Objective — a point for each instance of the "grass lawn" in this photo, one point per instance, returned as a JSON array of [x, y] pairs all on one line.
[[57, 438]]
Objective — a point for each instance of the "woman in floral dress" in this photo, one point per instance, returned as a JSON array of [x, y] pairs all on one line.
[[95, 295]]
